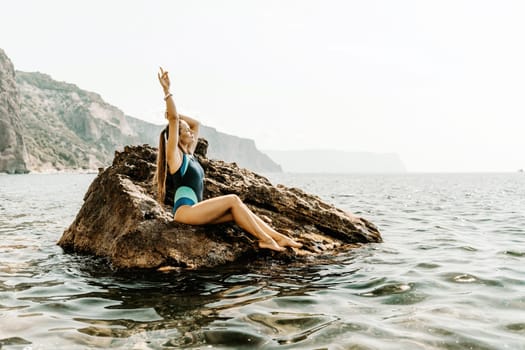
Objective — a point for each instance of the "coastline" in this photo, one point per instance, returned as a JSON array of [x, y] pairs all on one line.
[[59, 171]]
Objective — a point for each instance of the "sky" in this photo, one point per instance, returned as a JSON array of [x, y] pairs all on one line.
[[441, 83]]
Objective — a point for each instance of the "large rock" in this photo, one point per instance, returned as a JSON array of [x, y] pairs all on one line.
[[121, 220], [13, 155]]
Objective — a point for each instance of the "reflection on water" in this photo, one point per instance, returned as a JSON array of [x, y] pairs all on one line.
[[449, 276]]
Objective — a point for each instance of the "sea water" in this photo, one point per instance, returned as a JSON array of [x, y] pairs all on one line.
[[450, 274]]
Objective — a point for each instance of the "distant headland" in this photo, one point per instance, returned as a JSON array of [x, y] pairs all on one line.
[[332, 161]]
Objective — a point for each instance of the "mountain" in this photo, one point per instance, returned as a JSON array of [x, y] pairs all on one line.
[[47, 125], [65, 127], [327, 161], [13, 153]]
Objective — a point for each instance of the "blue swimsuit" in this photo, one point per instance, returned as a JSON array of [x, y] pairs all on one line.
[[185, 186]]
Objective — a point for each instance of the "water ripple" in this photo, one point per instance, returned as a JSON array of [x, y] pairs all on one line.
[[448, 276]]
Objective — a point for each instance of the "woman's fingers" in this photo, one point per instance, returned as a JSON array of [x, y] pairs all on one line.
[[163, 77], [163, 73]]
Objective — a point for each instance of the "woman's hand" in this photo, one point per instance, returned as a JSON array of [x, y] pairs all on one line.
[[164, 80]]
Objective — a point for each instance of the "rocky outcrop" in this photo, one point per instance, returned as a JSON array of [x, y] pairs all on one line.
[[13, 155], [121, 220]]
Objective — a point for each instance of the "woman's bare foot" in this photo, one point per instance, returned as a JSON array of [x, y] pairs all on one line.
[[271, 245], [288, 242]]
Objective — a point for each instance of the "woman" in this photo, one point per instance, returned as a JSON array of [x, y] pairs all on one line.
[[180, 181]]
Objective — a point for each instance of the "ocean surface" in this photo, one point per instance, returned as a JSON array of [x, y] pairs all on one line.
[[449, 275]]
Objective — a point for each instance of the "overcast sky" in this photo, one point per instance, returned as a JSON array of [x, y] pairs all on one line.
[[441, 83]]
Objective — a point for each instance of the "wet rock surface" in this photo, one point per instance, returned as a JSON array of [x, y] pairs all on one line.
[[121, 220]]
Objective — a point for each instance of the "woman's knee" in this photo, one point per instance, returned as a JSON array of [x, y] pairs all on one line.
[[234, 200], [178, 216]]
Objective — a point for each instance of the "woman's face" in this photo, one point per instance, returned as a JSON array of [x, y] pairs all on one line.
[[185, 134]]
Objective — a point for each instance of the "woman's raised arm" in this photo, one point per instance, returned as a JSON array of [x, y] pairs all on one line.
[[173, 155]]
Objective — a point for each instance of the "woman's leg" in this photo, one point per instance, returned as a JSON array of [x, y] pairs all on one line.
[[228, 217], [214, 209], [281, 239]]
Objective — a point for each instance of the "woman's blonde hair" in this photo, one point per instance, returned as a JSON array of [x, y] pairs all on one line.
[[160, 175]]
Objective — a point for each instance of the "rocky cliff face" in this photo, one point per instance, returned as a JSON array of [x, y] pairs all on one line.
[[69, 128], [121, 220], [222, 146], [47, 125], [13, 155], [238, 150]]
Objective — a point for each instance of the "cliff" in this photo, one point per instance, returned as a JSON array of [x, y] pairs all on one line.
[[47, 125], [13, 154], [228, 148], [121, 221], [68, 128]]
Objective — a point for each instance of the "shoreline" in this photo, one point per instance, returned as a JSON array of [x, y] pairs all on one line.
[[58, 172]]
